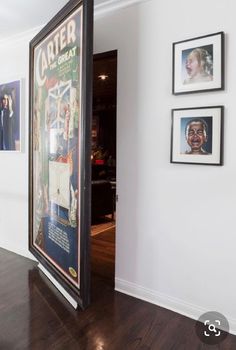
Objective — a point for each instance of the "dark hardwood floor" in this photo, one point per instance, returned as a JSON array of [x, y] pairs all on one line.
[[35, 316], [103, 255]]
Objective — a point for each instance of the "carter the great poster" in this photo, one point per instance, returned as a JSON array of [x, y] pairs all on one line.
[[56, 139]]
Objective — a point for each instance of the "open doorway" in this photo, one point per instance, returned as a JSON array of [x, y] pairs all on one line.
[[103, 163]]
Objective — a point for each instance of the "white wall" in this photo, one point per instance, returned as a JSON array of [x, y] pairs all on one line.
[[14, 166], [175, 233]]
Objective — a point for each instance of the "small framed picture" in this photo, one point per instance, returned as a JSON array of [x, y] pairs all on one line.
[[198, 64], [197, 135], [10, 118]]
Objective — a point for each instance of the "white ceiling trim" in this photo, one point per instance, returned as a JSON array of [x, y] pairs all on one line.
[[113, 5], [104, 7], [18, 38]]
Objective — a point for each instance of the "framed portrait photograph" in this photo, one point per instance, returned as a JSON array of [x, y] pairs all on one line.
[[197, 135], [10, 116], [198, 64], [60, 147]]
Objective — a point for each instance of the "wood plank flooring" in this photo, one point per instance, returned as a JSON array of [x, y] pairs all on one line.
[[103, 255], [104, 224], [35, 316]]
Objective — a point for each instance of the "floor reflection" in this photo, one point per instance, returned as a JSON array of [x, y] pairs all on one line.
[[53, 319]]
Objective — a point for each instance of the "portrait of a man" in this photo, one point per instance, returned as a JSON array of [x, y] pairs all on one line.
[[10, 116], [196, 135]]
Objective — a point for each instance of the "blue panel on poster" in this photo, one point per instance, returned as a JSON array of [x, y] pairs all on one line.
[[61, 244]]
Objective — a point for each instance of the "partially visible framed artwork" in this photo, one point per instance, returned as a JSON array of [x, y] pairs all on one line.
[[10, 116], [198, 64], [60, 147], [197, 135]]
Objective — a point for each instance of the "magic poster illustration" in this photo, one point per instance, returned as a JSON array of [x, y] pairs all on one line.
[[56, 138]]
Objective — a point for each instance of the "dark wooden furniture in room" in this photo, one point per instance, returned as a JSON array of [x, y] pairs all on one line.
[[103, 191], [102, 199]]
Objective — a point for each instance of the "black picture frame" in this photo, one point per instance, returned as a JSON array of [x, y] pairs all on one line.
[[60, 109], [197, 135], [198, 64]]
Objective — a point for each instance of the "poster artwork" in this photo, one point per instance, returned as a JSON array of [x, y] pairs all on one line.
[[56, 129]]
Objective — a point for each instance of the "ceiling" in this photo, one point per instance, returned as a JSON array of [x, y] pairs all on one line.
[[17, 16]]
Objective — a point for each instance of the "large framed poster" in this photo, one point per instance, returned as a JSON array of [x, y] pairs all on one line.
[[60, 132]]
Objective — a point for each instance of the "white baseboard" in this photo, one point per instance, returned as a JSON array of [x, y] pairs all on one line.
[[166, 301]]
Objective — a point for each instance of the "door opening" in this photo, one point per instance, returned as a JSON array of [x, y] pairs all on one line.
[[103, 163]]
